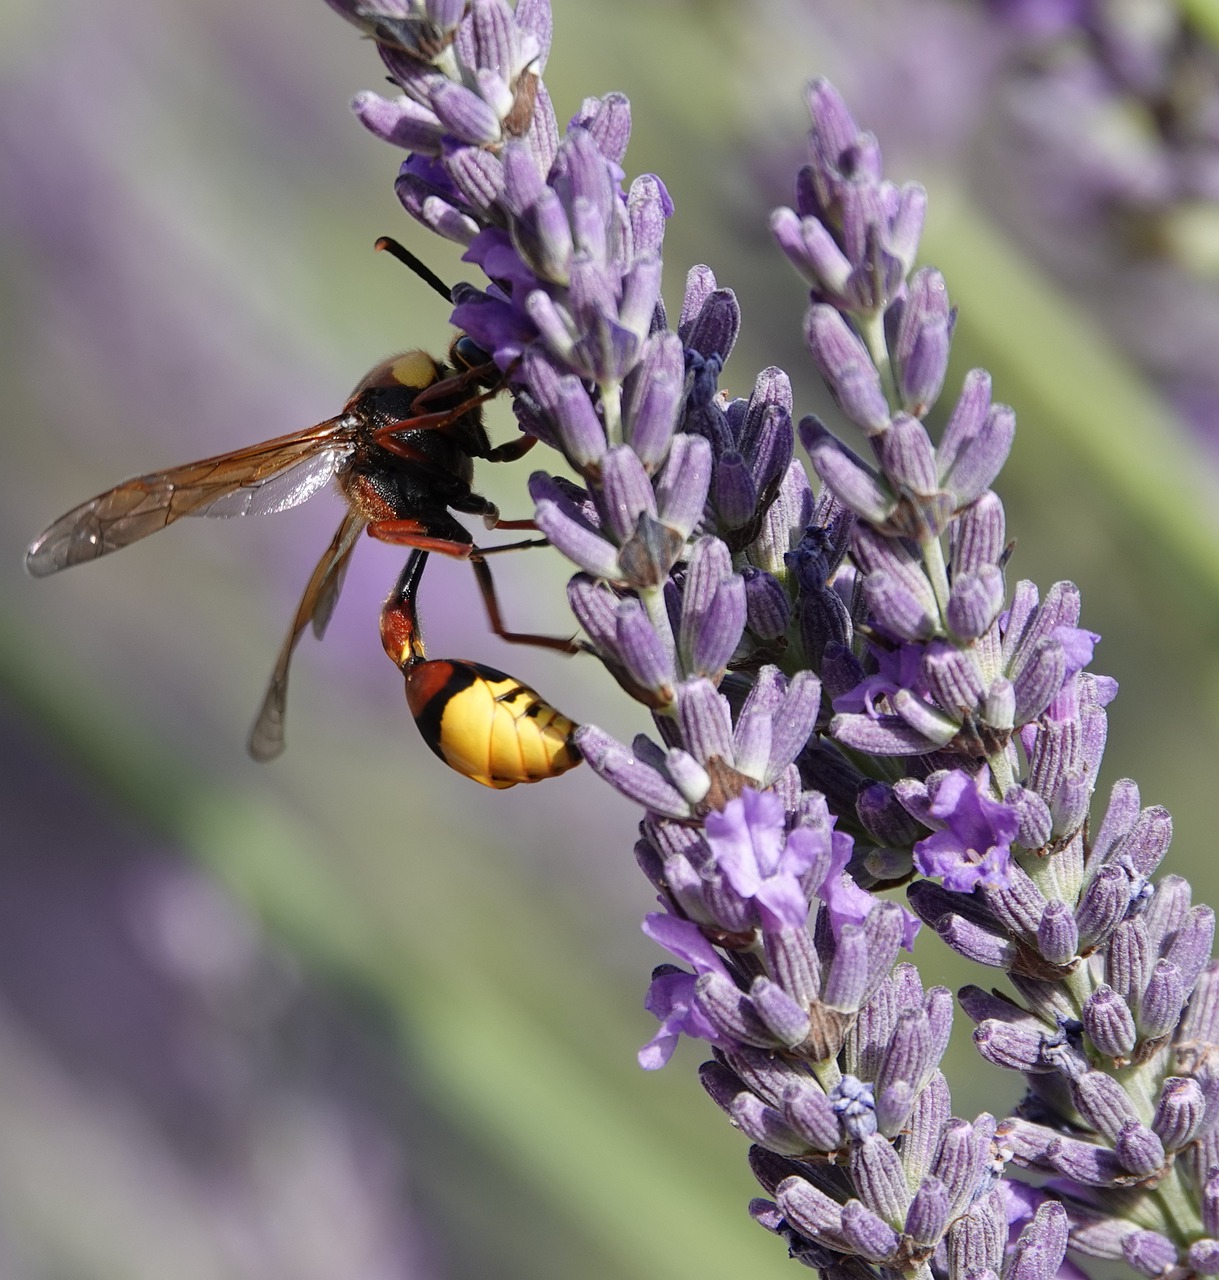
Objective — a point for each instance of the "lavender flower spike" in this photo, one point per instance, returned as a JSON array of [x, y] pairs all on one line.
[[845, 697]]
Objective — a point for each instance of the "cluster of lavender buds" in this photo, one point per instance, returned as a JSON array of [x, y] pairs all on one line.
[[846, 698]]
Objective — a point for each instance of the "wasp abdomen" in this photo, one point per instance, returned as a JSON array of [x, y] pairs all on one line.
[[488, 725]]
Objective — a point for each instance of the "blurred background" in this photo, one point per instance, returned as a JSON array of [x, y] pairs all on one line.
[[349, 1015]]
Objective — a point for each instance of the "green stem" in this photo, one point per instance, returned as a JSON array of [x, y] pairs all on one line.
[[872, 331], [937, 574], [1181, 1215], [611, 406], [653, 599]]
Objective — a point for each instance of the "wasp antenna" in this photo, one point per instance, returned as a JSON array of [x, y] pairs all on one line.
[[425, 273]]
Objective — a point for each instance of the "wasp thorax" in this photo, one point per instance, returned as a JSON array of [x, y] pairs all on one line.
[[413, 369]]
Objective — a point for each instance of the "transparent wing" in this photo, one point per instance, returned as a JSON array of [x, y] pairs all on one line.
[[258, 480], [316, 606]]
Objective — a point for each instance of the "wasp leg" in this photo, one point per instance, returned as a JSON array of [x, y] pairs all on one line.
[[417, 534], [440, 420], [515, 524], [511, 450], [486, 588]]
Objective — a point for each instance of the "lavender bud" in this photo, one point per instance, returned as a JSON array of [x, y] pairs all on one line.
[[1036, 822], [713, 330], [765, 1126], [722, 1086], [1102, 906], [1201, 1021], [653, 399], [962, 1158], [559, 519], [1139, 1149], [1167, 911], [1179, 1112], [810, 1113], [766, 1074], [1038, 679], [630, 775], [920, 341], [717, 633], [1149, 1253], [1109, 1023], [794, 963], [1147, 843], [969, 465], [927, 1216], [811, 1211], [731, 1012], [812, 250], [885, 929], [1020, 906], [974, 602], [844, 363], [847, 976], [1191, 948], [733, 490], [884, 818], [976, 1240], [642, 651], [951, 676], [1057, 934], [767, 608], [1128, 960], [978, 536], [1082, 1161], [1015, 1047], [1102, 1101], [1039, 1252], [939, 1007], [786, 1020], [876, 1170], [1203, 1258], [906, 1061], [974, 942], [868, 1235], [681, 486], [846, 475], [928, 1117], [907, 458], [1161, 1004]]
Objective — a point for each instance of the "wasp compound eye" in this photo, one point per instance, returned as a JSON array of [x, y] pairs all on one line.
[[488, 725], [465, 353]]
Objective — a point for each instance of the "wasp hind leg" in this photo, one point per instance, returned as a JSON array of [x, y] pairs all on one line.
[[400, 619]]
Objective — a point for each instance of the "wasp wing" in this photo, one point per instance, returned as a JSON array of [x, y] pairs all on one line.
[[316, 606], [258, 480]]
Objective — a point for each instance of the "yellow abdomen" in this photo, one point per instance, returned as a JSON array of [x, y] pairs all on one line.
[[488, 725]]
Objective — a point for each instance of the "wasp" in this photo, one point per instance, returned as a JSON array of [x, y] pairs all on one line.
[[402, 454]]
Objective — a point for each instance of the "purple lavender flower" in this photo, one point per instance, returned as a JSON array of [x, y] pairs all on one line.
[[974, 845], [966, 731]]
